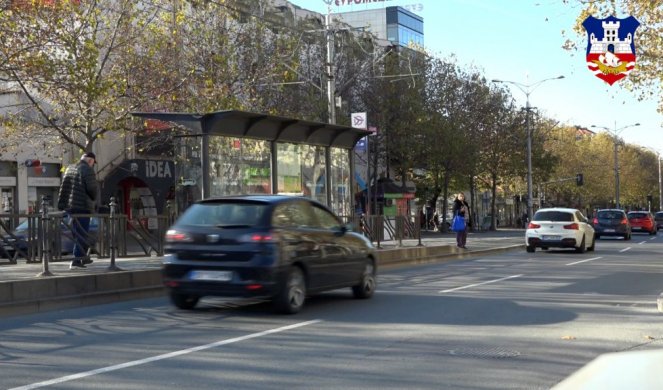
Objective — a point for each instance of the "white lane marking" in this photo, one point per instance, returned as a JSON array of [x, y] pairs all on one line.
[[584, 261], [641, 242], [480, 284], [163, 356], [625, 249], [653, 238]]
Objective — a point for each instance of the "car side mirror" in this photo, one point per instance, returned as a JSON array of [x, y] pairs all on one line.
[[344, 229]]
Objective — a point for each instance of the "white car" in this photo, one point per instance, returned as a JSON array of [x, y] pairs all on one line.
[[560, 228]]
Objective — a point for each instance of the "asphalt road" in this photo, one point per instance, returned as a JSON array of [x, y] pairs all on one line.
[[510, 321]]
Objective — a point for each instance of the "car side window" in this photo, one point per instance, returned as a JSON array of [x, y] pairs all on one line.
[[325, 219], [293, 214]]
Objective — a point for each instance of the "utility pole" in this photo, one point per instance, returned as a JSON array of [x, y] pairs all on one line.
[[329, 66], [615, 137], [527, 89], [660, 187]]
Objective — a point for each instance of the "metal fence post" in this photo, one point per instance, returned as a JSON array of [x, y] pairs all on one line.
[[113, 236], [380, 229], [45, 238], [417, 228]]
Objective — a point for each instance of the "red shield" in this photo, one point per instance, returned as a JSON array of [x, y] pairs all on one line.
[[610, 47]]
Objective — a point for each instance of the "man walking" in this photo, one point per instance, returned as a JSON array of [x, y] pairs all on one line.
[[78, 195]]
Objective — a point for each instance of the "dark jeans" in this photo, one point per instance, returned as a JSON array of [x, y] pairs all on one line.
[[461, 237], [79, 228]]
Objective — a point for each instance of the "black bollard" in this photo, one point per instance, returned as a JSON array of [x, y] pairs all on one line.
[[45, 235], [113, 236]]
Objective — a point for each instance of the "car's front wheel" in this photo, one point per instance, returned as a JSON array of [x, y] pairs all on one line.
[[530, 248], [184, 301], [292, 295], [366, 286]]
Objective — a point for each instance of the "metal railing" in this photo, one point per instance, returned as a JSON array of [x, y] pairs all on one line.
[[380, 228], [52, 235]]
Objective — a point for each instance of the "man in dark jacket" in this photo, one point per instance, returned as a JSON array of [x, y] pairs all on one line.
[[78, 195]]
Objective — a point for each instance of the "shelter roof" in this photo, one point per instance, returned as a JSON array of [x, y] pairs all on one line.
[[244, 124]]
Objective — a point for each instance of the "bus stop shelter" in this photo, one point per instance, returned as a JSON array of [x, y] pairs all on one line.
[[234, 152]]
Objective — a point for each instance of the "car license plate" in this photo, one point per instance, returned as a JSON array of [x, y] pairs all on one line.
[[218, 276], [550, 238], [609, 230]]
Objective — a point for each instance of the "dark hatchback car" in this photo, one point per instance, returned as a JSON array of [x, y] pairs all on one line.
[[658, 218], [277, 247], [612, 222], [642, 221], [18, 241]]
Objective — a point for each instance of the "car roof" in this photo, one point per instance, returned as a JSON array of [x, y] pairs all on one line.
[[263, 198], [562, 209], [611, 210]]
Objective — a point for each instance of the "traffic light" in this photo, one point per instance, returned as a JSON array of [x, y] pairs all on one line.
[[579, 179], [32, 163], [650, 198]]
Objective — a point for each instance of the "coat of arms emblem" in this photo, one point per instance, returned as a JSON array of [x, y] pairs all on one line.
[[611, 47]]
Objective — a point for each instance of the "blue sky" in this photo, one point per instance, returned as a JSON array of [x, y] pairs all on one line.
[[521, 41]]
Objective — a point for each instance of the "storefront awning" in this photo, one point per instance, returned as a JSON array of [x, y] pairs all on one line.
[[242, 124]]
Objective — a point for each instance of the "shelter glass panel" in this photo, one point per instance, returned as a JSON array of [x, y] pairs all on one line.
[[239, 166], [301, 171], [189, 170], [340, 182]]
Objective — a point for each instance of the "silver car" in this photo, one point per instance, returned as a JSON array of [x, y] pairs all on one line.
[[560, 228]]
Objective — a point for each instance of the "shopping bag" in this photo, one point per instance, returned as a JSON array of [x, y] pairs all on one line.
[[458, 224]]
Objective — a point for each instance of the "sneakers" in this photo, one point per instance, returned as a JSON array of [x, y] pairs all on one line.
[[87, 260], [77, 264]]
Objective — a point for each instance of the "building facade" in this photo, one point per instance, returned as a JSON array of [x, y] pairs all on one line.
[[393, 24]]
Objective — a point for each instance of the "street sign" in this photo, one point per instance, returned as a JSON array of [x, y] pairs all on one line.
[[358, 120]]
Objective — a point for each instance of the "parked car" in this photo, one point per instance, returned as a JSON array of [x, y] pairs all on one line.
[[642, 221], [277, 247], [560, 228], [612, 222], [18, 241], [658, 218]]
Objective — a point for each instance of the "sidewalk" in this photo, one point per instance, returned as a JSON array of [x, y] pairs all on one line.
[[24, 290]]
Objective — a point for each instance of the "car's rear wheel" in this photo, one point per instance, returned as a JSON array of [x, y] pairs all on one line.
[[581, 248], [366, 286], [530, 248], [184, 301], [291, 297]]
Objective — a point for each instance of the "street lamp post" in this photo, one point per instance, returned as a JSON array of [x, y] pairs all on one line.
[[660, 186], [527, 89], [615, 137]]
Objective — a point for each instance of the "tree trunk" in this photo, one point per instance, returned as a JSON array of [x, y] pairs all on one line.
[[493, 189]]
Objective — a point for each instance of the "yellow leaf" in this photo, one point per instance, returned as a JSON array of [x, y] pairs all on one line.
[[568, 338]]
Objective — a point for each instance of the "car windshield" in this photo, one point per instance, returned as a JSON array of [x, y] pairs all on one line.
[[659, 215], [637, 215], [231, 213], [609, 214], [555, 216]]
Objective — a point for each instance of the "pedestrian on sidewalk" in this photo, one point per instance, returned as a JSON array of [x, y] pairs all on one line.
[[78, 195], [462, 208]]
